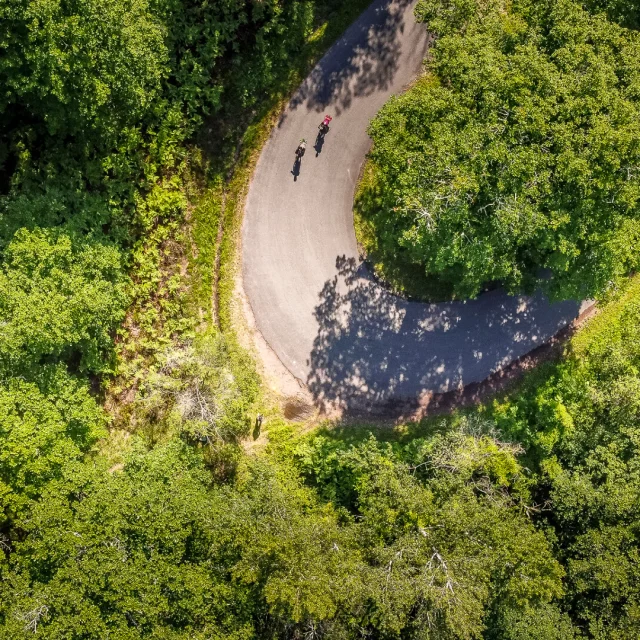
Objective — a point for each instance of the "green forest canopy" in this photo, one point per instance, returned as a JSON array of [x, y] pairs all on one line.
[[477, 526], [517, 521], [515, 158]]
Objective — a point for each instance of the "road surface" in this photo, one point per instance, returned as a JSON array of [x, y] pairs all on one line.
[[335, 329]]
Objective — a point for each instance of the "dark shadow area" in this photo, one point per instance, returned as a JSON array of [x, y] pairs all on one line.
[[374, 348], [362, 61], [297, 163], [257, 426], [319, 143], [297, 408]]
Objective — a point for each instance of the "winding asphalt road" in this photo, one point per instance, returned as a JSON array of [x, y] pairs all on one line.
[[352, 343]]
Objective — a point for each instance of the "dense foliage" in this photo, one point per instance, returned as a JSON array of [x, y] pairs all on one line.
[[479, 526], [518, 521], [517, 153], [155, 551], [580, 422]]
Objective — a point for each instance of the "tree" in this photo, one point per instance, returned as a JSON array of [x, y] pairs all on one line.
[[516, 155], [41, 434], [155, 551], [580, 421], [82, 65], [60, 299], [440, 530]]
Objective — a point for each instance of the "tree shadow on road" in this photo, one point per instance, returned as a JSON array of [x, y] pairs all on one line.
[[373, 348], [363, 61]]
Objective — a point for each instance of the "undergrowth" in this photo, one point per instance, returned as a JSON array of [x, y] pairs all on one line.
[[186, 262]]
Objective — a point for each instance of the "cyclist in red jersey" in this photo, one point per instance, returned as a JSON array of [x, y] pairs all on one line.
[[324, 126]]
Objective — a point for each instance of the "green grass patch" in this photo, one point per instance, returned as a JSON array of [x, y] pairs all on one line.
[[205, 224]]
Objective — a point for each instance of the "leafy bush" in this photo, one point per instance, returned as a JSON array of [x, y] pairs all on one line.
[[625, 12], [60, 299], [44, 428], [202, 390]]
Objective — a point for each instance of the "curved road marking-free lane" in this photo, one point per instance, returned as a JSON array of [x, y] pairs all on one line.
[[352, 343]]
